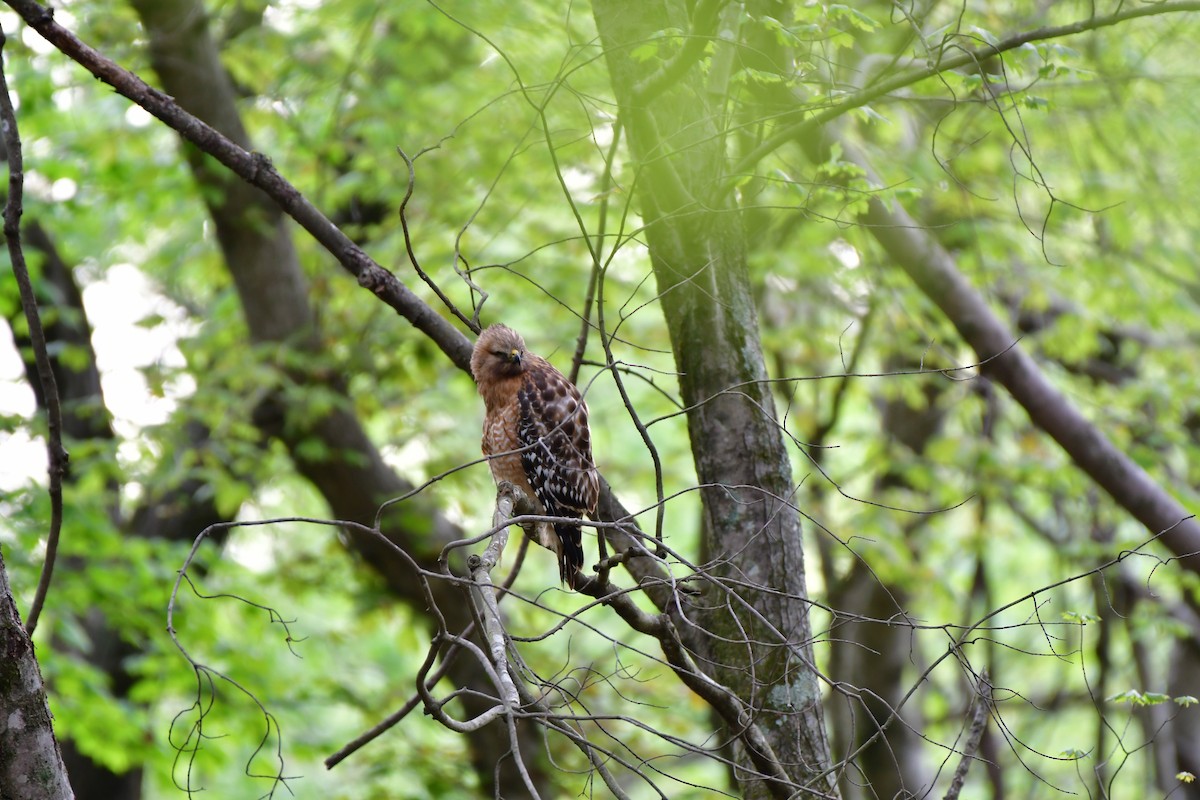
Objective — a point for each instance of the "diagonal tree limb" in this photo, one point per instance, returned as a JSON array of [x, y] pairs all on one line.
[[934, 271], [257, 170]]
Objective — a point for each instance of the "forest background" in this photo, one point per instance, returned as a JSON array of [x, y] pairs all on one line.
[[885, 315]]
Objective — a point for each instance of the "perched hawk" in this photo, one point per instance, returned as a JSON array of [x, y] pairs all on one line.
[[536, 434]]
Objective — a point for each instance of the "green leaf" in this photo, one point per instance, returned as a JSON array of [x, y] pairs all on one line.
[[1130, 696], [1137, 698], [856, 18], [646, 51]]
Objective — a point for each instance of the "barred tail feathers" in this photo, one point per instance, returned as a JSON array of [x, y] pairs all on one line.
[[570, 554]]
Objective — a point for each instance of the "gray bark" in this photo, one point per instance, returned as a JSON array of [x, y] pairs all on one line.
[[751, 532], [31, 767]]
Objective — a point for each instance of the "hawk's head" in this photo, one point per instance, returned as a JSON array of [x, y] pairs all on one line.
[[498, 354]]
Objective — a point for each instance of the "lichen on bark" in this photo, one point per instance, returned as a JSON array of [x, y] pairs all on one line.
[[31, 766]]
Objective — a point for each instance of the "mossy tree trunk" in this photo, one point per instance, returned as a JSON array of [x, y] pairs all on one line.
[[758, 643]]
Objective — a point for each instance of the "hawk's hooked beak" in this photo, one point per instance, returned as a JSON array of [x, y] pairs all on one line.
[[515, 356]]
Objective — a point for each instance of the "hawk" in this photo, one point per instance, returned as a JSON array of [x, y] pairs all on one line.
[[535, 434]]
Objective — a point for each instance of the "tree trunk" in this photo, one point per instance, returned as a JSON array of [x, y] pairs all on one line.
[[31, 767], [751, 532], [873, 659]]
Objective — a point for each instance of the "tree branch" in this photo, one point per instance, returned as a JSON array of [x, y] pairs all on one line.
[[981, 710], [257, 170], [484, 593], [37, 337], [704, 27], [966, 57], [934, 271]]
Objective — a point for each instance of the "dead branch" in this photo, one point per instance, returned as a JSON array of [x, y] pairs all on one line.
[[980, 711], [484, 593]]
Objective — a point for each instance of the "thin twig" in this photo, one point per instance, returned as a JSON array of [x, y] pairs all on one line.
[[473, 324], [787, 132], [395, 717], [585, 324], [37, 337], [659, 490]]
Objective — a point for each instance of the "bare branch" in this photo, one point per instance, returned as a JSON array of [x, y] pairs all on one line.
[[37, 336], [255, 169], [934, 271], [388, 722], [585, 325], [981, 708], [968, 56], [484, 593], [473, 324]]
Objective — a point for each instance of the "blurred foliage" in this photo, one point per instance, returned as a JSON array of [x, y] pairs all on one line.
[[1062, 179]]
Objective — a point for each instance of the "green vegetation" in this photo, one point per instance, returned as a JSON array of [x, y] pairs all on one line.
[[944, 530]]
